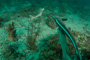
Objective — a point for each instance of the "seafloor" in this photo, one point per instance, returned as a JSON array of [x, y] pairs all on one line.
[[28, 31]]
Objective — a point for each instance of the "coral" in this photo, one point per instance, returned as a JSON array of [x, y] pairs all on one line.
[[88, 38], [85, 54], [51, 49], [11, 32], [33, 32], [85, 28], [74, 33], [31, 42], [33, 17], [50, 22], [11, 52]]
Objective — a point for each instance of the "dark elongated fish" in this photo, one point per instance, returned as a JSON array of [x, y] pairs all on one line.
[[66, 31]]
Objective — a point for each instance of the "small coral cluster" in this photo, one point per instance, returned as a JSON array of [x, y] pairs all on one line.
[[12, 32]]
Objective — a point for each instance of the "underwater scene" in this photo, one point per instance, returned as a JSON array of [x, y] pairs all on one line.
[[44, 29]]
